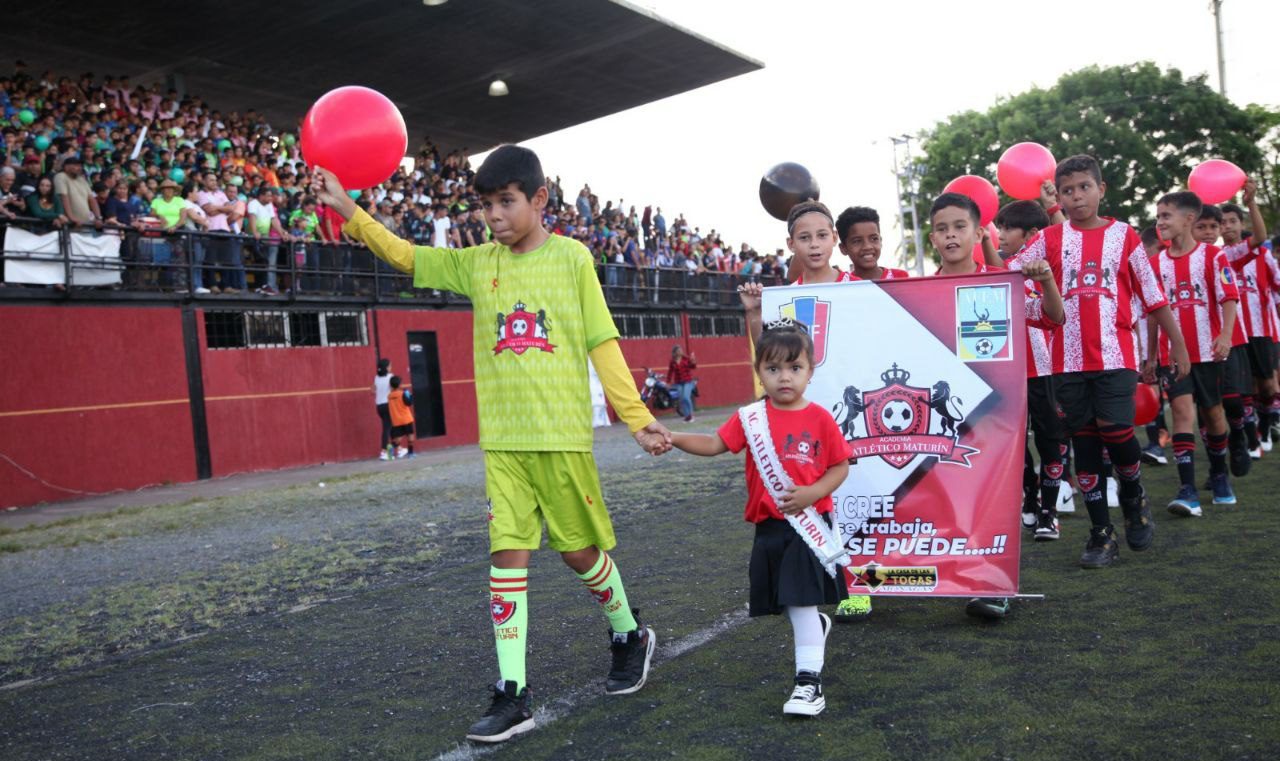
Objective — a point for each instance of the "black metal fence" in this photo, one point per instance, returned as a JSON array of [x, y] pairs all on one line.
[[190, 264]]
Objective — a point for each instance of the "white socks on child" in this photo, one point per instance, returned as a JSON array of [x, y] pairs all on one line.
[[810, 639]]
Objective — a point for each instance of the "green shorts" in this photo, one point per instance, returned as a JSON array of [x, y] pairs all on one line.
[[562, 489]]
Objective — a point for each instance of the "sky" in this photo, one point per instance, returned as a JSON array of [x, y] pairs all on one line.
[[842, 76]]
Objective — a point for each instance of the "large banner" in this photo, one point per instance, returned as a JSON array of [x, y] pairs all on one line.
[[37, 259], [926, 377]]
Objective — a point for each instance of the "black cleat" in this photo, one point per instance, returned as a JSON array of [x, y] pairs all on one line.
[[1139, 528], [1239, 457], [632, 653], [1102, 549], [508, 716]]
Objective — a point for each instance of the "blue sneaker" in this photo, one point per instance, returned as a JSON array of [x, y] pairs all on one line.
[[1187, 503], [1222, 493]]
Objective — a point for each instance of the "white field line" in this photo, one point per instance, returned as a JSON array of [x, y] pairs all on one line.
[[560, 707]]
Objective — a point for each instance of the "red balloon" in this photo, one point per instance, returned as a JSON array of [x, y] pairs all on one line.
[[1216, 181], [1146, 404], [1023, 168], [356, 133], [980, 190]]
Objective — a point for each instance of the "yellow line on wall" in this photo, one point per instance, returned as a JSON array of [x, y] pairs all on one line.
[[94, 407]]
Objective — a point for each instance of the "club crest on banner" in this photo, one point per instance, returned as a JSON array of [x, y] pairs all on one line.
[[815, 314], [982, 323], [523, 330], [901, 421]]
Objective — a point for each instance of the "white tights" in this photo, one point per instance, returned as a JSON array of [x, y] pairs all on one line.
[[810, 642]]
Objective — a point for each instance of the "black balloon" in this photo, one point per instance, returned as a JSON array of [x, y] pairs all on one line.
[[784, 186]]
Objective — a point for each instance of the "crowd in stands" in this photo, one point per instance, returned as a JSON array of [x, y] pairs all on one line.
[[109, 154]]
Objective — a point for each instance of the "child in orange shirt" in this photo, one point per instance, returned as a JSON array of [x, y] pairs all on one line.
[[398, 402]]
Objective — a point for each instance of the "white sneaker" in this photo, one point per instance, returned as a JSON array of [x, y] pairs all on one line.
[[806, 698], [1113, 493], [383, 455], [1256, 453], [1266, 445], [401, 452], [1028, 520], [201, 291], [1066, 498]]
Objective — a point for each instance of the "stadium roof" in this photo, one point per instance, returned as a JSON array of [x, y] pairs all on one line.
[[564, 61]]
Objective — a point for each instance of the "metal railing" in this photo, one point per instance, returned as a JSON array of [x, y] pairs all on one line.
[[190, 264]]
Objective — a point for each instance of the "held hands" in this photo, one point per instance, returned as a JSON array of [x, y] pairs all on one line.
[[1221, 347], [750, 293], [795, 500], [654, 438], [1149, 371], [1039, 271]]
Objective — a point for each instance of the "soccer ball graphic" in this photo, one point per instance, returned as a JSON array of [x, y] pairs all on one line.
[[803, 447], [897, 416], [519, 327], [983, 346], [1090, 279]]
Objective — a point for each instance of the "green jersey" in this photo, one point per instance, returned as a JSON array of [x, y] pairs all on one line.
[[536, 316]]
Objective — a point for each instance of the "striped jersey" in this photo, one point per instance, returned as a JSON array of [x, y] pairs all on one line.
[[1197, 283], [1098, 271], [1257, 278]]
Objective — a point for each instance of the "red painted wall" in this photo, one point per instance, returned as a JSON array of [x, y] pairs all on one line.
[[265, 408], [60, 357]]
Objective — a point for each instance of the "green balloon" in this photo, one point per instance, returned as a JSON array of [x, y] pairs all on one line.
[[177, 175], [224, 144], [42, 142], [237, 180], [26, 116], [289, 139], [355, 194]]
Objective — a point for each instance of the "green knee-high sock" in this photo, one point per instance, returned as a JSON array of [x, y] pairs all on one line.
[[605, 584], [508, 604]]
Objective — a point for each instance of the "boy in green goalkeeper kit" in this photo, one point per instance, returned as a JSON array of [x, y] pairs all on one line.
[[539, 314]]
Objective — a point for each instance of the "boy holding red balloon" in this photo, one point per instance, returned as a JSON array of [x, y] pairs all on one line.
[[1099, 266], [539, 315], [1204, 296]]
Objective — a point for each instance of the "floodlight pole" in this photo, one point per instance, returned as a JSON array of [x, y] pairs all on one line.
[[905, 172], [1216, 6]]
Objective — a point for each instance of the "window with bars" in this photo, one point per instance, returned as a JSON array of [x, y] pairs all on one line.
[[712, 325], [274, 329], [648, 324]]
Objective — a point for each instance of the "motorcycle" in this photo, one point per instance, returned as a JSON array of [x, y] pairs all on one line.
[[657, 391]]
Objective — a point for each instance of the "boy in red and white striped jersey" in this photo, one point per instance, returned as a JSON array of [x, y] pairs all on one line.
[[1099, 265]]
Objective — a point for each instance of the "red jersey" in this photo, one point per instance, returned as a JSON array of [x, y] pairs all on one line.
[[1257, 278], [1098, 271], [1198, 283], [894, 274], [841, 277], [808, 443]]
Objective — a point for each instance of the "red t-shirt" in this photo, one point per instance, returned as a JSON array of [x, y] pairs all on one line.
[[808, 443], [1098, 272], [1198, 283], [841, 277], [893, 274]]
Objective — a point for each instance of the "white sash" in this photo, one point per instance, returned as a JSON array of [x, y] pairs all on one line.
[[826, 543]]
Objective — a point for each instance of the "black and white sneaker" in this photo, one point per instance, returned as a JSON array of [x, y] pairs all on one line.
[[1047, 528], [1029, 518], [508, 715], [806, 698], [632, 652]]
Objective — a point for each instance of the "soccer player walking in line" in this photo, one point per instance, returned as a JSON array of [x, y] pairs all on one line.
[[539, 315]]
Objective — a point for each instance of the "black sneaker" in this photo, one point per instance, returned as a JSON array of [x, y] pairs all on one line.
[[1239, 457], [1102, 549], [988, 608], [1047, 528], [806, 698], [508, 715], [1139, 528], [632, 653]]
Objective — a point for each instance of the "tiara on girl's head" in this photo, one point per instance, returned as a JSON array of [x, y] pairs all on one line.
[[784, 322]]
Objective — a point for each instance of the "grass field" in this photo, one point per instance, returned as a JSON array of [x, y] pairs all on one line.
[[350, 622]]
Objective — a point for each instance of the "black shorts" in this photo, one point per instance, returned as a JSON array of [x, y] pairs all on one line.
[[1204, 383], [1237, 378], [1262, 357], [401, 430], [1097, 395], [784, 572], [1042, 408]]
